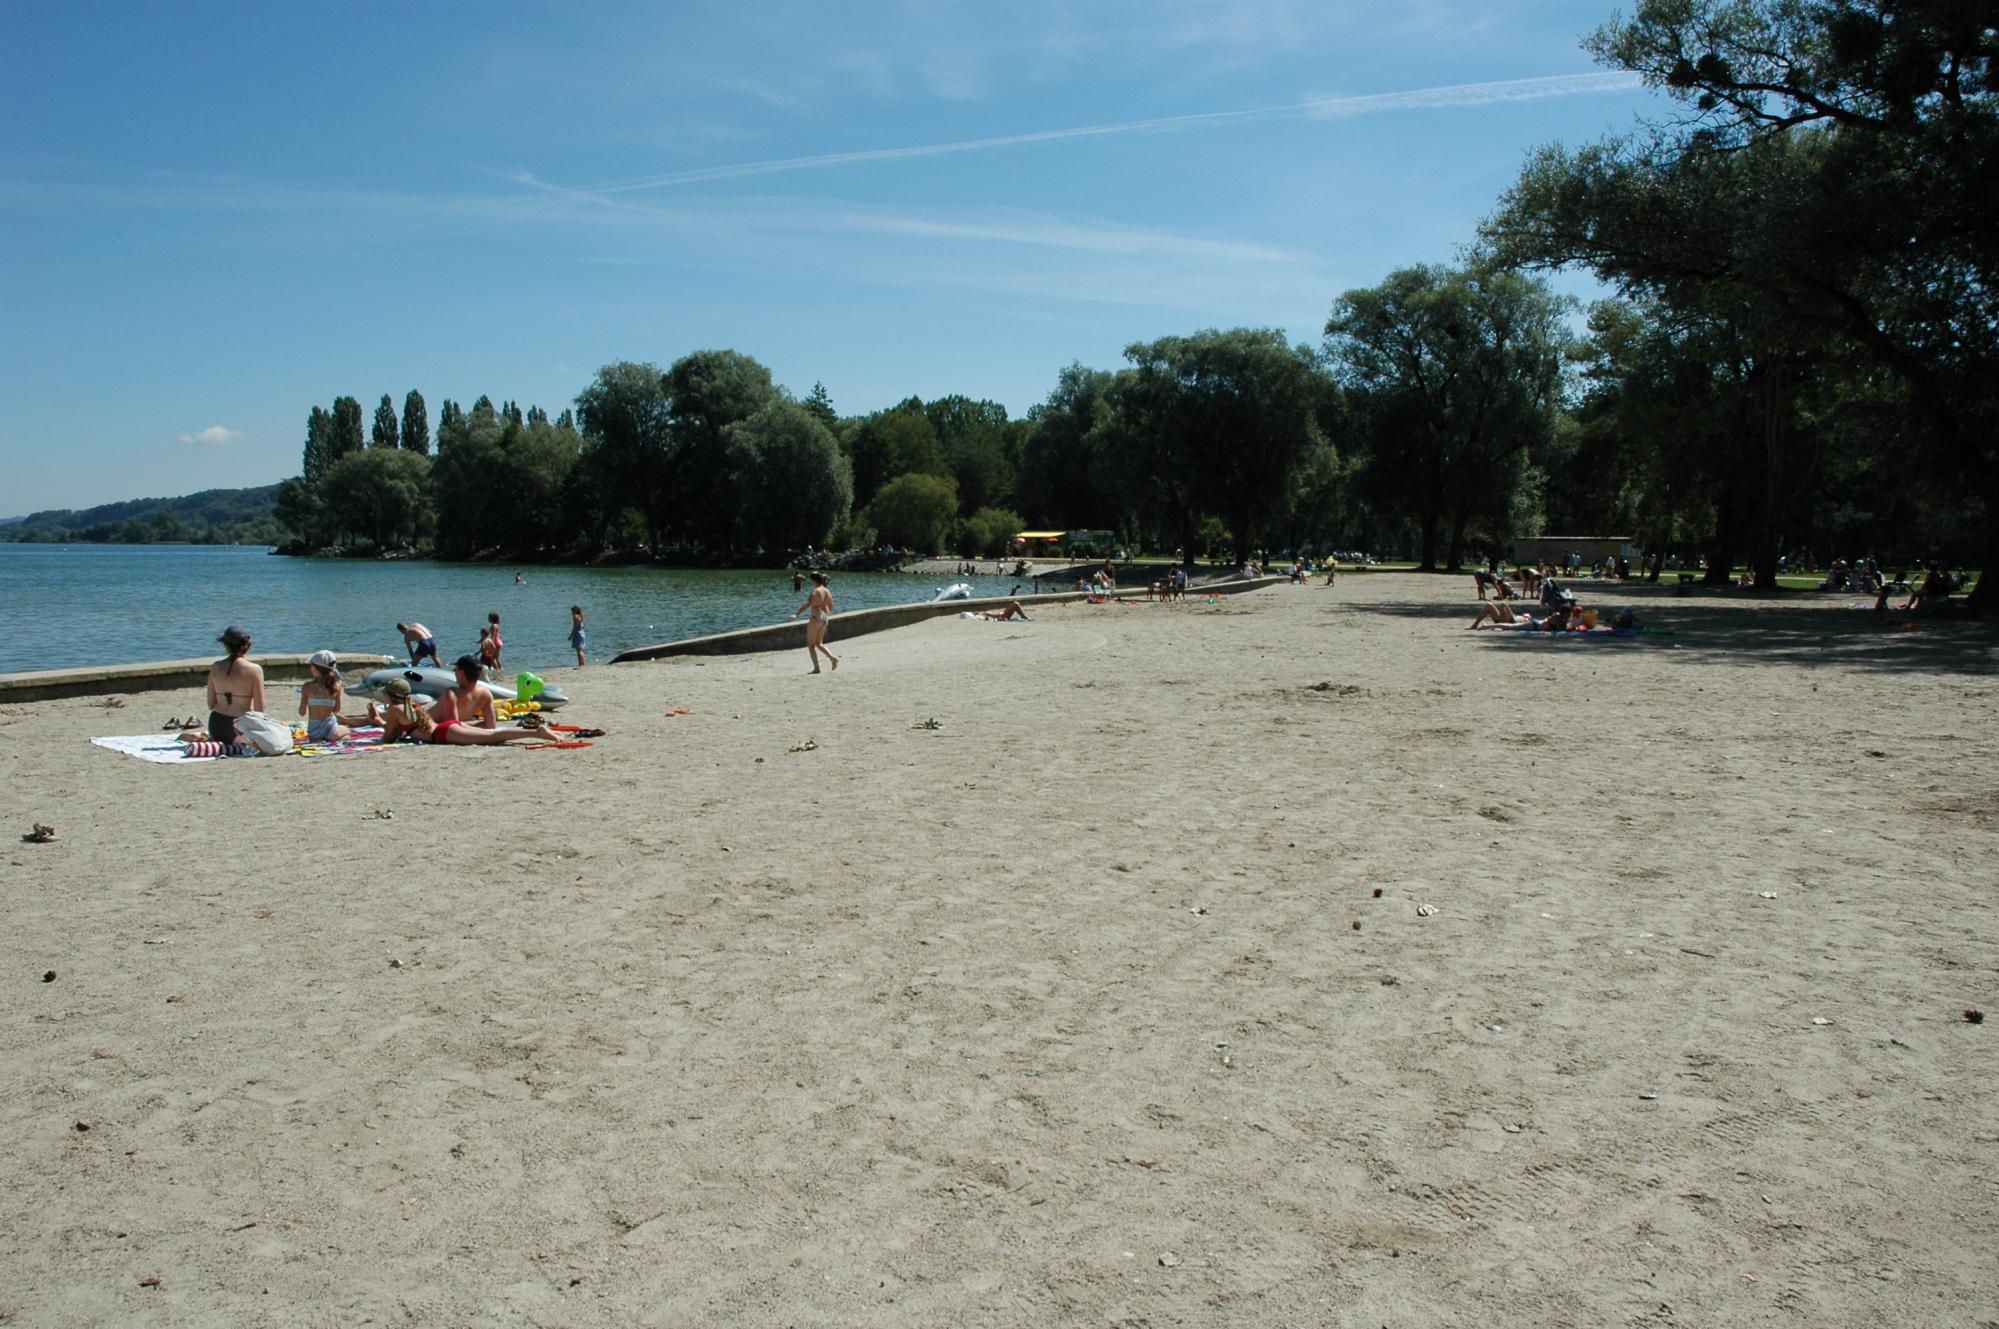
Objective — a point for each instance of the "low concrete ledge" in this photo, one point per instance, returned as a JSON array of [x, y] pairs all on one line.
[[161, 675], [860, 622]]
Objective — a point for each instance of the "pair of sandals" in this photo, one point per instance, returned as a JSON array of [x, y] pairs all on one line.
[[537, 721], [192, 722]]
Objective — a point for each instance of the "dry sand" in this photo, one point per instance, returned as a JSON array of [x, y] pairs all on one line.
[[1051, 1014]]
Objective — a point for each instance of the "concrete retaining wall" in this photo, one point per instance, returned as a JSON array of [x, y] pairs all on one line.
[[162, 675], [860, 622]]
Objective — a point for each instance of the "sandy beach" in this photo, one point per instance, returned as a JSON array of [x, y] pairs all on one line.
[[1059, 973]]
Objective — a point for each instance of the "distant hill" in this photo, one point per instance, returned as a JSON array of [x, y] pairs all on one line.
[[213, 516]]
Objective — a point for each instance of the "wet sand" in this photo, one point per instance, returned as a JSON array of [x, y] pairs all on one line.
[[1052, 1012]]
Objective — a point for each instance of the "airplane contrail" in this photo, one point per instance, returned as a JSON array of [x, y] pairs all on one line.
[[1451, 95]]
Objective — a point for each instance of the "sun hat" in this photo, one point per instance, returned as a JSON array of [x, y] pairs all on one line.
[[397, 687]]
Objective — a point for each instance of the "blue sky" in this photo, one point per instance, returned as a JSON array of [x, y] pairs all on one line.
[[213, 217]]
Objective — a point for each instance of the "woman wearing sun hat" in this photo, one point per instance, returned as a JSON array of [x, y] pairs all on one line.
[[235, 685], [319, 700]]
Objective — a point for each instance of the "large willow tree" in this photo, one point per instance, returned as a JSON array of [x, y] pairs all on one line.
[[1828, 188]]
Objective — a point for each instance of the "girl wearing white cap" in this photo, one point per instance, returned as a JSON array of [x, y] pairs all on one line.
[[319, 700]]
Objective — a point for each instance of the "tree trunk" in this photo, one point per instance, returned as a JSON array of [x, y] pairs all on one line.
[[1428, 563], [1454, 556], [1721, 550], [1776, 388], [1985, 595]]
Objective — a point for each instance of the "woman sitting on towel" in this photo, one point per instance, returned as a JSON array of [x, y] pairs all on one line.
[[319, 700], [235, 686]]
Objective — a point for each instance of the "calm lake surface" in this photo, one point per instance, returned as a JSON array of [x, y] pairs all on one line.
[[64, 605]]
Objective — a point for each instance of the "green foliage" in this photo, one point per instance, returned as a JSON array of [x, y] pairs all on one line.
[[1227, 420], [853, 533], [1452, 375], [820, 404], [914, 511], [791, 484], [380, 495], [213, 516], [416, 424], [989, 532], [319, 452], [538, 467], [1212, 538], [892, 443], [385, 432], [707, 392], [626, 415], [1054, 479], [1829, 195], [302, 512], [971, 438], [346, 436]]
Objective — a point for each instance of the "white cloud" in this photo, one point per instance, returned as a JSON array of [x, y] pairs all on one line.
[[215, 436]]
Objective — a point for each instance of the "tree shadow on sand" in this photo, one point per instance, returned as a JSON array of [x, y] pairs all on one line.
[[1798, 627]]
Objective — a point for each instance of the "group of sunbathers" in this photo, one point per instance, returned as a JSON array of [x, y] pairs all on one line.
[[464, 715], [1567, 617]]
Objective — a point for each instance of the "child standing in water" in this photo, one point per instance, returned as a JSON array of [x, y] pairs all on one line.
[[490, 646], [576, 632], [820, 605]]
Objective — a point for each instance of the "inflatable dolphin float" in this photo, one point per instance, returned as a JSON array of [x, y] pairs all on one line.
[[434, 683], [956, 591]]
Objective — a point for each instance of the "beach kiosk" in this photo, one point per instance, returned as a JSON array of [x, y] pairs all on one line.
[[1038, 544]]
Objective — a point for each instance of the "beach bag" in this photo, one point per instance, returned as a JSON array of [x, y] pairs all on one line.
[[269, 736]]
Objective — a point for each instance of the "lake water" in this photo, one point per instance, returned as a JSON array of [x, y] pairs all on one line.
[[63, 605]]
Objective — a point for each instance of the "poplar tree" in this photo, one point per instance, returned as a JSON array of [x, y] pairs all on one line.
[[416, 424], [385, 424], [346, 427]]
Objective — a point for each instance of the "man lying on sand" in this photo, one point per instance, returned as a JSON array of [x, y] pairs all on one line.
[[465, 715], [1501, 615]]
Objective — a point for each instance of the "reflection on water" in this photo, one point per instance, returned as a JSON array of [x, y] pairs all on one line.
[[63, 605]]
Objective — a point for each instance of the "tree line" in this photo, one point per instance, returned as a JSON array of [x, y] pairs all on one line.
[[213, 516], [1799, 361]]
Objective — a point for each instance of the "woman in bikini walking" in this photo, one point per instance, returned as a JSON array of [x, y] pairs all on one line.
[[820, 605]]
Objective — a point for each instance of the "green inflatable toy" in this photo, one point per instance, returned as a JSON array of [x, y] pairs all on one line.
[[527, 687]]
